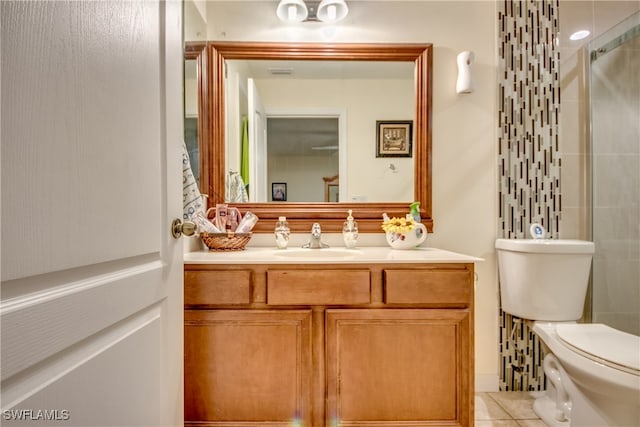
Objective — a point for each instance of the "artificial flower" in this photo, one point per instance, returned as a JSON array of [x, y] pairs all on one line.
[[398, 225]]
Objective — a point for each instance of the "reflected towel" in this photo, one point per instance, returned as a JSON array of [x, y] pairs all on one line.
[[236, 191], [191, 197], [244, 152]]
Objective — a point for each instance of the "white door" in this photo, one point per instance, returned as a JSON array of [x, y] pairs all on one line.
[[91, 302], [257, 146]]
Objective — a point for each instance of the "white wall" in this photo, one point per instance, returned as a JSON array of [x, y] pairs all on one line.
[[195, 13], [464, 169]]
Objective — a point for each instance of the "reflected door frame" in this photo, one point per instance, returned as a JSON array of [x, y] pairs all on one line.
[[339, 113]]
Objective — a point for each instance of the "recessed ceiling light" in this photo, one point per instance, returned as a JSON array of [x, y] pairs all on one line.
[[579, 35]]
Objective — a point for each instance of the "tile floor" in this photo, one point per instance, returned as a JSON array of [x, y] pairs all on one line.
[[506, 409]]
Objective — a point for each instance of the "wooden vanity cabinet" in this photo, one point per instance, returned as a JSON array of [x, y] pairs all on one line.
[[331, 345], [247, 366]]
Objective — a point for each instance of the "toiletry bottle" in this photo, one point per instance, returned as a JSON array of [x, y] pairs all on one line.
[[203, 223], [233, 219], [350, 231], [221, 216], [415, 211], [415, 214], [248, 222], [282, 232]]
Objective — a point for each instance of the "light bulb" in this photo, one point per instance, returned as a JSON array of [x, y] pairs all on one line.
[[292, 10], [331, 12]]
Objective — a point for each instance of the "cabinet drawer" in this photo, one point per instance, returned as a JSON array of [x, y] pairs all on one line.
[[427, 287], [217, 287], [318, 287]]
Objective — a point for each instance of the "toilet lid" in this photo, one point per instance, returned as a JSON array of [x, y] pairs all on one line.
[[604, 344]]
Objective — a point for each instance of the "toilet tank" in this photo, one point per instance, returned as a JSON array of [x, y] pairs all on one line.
[[544, 279]]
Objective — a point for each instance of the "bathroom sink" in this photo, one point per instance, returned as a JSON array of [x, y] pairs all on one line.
[[318, 253]]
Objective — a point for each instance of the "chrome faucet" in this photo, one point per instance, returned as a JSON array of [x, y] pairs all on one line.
[[316, 236]]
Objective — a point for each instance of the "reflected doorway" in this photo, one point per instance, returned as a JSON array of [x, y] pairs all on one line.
[[300, 152]]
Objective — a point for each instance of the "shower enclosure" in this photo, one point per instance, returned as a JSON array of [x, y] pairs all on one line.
[[615, 159]]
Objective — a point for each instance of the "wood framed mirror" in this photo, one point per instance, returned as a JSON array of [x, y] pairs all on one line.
[[301, 216]]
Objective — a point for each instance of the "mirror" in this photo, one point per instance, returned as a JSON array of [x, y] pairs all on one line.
[[191, 114], [211, 61], [195, 107], [320, 121]]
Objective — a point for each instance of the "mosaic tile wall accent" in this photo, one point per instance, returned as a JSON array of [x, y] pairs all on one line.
[[529, 156]]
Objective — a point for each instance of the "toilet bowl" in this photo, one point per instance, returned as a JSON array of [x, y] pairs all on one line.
[[592, 370]]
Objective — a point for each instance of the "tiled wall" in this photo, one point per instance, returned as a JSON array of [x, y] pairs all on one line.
[[529, 156]]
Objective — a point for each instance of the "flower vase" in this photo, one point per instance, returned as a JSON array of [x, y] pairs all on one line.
[[408, 239]]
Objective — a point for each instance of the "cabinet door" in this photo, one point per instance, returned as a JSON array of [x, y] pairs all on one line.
[[247, 367], [399, 367]]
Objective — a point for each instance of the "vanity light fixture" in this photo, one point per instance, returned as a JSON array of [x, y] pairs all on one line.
[[328, 11], [292, 10]]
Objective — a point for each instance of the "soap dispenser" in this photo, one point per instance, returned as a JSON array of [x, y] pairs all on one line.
[[281, 232], [414, 209], [350, 231]]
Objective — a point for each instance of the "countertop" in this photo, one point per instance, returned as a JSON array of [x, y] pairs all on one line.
[[360, 255]]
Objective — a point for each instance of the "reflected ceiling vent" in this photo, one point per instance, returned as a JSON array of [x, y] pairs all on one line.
[[281, 71], [325, 147]]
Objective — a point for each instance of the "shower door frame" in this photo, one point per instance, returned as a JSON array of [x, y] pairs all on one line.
[[617, 36]]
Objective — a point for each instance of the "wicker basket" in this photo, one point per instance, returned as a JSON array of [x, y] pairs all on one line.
[[226, 241]]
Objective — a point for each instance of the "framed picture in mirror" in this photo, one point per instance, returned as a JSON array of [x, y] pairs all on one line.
[[278, 191], [331, 187], [394, 138]]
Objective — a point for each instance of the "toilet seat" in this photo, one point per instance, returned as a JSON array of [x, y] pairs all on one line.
[[603, 344]]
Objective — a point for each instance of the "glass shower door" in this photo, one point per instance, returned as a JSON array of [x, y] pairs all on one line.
[[615, 155]]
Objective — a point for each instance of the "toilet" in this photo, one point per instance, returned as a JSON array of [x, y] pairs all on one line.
[[592, 370]]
